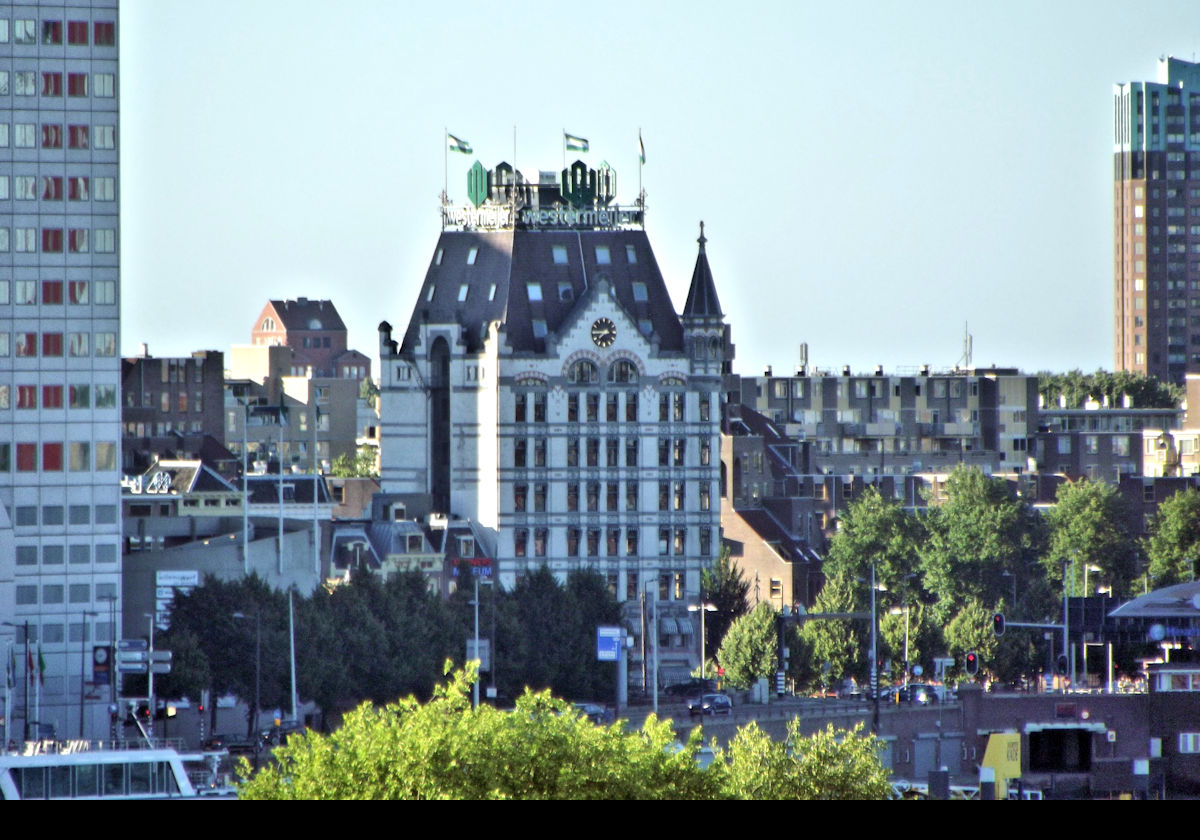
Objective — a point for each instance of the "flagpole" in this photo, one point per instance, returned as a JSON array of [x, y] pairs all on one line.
[[564, 142], [445, 170], [8, 685], [641, 163]]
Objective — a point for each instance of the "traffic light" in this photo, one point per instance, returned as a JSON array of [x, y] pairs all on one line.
[[1060, 665], [972, 663], [998, 624]]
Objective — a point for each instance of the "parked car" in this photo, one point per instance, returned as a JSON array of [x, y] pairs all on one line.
[[691, 688], [711, 704], [593, 712]]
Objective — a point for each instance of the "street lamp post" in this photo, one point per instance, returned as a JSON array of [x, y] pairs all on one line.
[[7, 714], [897, 611], [257, 677], [702, 608], [1089, 567], [475, 603]]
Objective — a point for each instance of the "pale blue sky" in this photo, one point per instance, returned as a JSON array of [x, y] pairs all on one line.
[[871, 175]]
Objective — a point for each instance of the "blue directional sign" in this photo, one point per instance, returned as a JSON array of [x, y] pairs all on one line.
[[608, 644]]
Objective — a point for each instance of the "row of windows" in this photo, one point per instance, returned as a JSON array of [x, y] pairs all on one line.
[[75, 593], [586, 452], [58, 396], [587, 542], [51, 188], [670, 408], [55, 456], [27, 515], [51, 84], [25, 31], [52, 135], [669, 493], [56, 240], [56, 292], [56, 344]]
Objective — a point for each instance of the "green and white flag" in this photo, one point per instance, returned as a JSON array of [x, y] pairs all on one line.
[[575, 144], [457, 145], [641, 149]]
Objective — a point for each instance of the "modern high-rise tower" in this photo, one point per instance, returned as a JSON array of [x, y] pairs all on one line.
[[1156, 222], [59, 368]]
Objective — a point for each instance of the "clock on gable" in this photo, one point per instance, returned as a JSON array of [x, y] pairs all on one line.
[[604, 332]]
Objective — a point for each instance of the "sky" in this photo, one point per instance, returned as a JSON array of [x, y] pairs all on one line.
[[872, 176]]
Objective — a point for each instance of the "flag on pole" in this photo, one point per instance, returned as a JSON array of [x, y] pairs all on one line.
[[641, 148], [575, 144], [457, 145], [28, 662], [41, 666], [10, 670]]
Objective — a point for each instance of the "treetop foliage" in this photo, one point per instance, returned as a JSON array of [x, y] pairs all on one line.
[[1078, 387], [545, 750]]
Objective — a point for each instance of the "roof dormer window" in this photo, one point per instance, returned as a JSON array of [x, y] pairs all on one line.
[[471, 255]]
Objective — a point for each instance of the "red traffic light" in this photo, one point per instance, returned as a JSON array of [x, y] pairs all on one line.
[[998, 624], [972, 664]]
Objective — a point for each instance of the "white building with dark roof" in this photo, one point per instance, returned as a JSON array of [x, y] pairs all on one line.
[[547, 390]]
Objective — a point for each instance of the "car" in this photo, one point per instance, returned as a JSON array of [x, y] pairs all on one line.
[[592, 711], [924, 694], [691, 688], [711, 704]]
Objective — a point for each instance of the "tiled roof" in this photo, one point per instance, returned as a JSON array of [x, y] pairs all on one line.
[[304, 314]]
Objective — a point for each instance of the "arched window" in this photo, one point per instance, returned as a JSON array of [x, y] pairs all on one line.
[[268, 325], [622, 371], [583, 372]]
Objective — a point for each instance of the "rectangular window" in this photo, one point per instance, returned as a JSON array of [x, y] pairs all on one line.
[[77, 33], [52, 457], [77, 188], [520, 542], [52, 344], [680, 540], [106, 241], [106, 34], [26, 292], [52, 32], [664, 495], [106, 396], [104, 136], [560, 254], [534, 290], [25, 345], [26, 396], [52, 188], [603, 257], [52, 396], [572, 542], [79, 457], [52, 240], [106, 343], [631, 408], [106, 292], [593, 408], [77, 136], [24, 83], [52, 136], [79, 396], [52, 84], [25, 187], [106, 456], [539, 498], [25, 135], [25, 31], [52, 292], [103, 85], [572, 497]]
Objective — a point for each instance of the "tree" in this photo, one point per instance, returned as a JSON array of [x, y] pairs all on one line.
[[971, 630], [1077, 387], [1173, 547], [723, 586], [980, 532], [749, 650], [832, 764], [1087, 528], [445, 750], [837, 644], [875, 531], [364, 464]]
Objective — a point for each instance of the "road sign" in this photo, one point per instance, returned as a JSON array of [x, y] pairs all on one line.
[[160, 656], [132, 644], [129, 656], [131, 667], [160, 668], [608, 644]]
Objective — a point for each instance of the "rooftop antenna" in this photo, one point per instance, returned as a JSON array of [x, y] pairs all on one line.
[[964, 361]]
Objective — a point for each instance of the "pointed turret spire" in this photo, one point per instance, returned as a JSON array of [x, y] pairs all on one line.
[[702, 299]]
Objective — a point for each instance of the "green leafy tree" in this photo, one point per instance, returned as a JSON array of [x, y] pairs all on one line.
[[750, 648], [831, 764], [838, 646], [1078, 387], [445, 750], [1173, 546], [878, 532], [1087, 527], [971, 630], [725, 587], [980, 532], [362, 465]]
